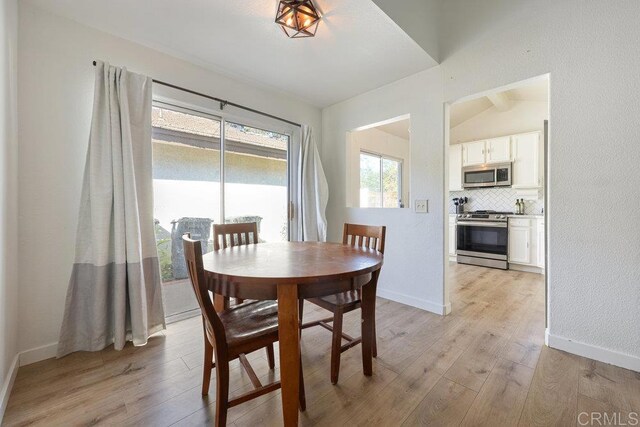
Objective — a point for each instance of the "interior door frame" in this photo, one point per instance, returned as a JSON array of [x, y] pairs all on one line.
[[446, 142]]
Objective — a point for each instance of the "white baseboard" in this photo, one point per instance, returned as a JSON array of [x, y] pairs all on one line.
[[37, 354], [526, 268], [611, 357], [8, 385], [415, 302]]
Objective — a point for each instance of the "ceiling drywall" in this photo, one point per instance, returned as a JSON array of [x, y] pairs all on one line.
[[537, 90], [357, 47], [419, 19], [400, 128], [463, 111]]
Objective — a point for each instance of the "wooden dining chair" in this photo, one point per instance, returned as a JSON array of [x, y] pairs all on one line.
[[367, 236], [225, 235], [231, 334]]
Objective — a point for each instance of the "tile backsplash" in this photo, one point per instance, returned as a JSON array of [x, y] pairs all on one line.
[[496, 199]]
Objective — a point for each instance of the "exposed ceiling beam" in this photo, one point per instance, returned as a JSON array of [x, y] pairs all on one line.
[[500, 100]]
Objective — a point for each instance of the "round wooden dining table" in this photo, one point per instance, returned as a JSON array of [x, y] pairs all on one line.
[[288, 272]]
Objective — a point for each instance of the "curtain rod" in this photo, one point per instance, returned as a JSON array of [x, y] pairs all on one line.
[[223, 102]]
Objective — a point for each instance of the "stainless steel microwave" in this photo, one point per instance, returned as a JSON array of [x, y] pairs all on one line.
[[497, 175]]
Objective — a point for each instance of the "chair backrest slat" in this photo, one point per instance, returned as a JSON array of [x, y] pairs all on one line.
[[367, 236], [235, 234]]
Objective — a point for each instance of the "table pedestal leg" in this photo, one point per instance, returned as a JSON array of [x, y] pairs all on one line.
[[288, 330], [368, 310]]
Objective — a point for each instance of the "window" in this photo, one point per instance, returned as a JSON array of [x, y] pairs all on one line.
[[380, 181], [378, 164]]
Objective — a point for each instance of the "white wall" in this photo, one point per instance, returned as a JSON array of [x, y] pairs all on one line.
[[378, 142], [8, 198], [413, 272], [55, 102], [521, 117], [590, 50]]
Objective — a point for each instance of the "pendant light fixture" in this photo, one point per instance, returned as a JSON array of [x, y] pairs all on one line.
[[297, 18]]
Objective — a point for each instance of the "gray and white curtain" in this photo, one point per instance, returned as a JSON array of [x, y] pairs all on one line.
[[313, 191], [115, 293]]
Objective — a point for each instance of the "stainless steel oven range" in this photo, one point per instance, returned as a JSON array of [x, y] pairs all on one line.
[[482, 238]]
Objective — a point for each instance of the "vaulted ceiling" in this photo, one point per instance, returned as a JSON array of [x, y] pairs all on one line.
[[357, 47], [537, 91]]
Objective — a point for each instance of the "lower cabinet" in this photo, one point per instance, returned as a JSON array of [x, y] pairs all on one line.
[[526, 242], [520, 241], [452, 235], [540, 242]]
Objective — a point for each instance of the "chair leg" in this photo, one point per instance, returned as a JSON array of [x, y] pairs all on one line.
[[270, 357], [303, 398], [336, 344], [208, 365], [222, 393], [374, 347]]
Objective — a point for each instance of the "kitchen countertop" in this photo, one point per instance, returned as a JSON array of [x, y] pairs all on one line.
[[537, 216]]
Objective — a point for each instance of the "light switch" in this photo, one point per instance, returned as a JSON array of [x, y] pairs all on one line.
[[422, 206]]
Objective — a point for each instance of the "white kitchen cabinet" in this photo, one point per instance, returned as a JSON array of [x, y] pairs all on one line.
[[526, 163], [473, 153], [452, 235], [520, 241], [455, 167], [540, 246], [498, 150]]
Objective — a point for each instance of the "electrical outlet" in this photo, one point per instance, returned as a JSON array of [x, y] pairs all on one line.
[[422, 206]]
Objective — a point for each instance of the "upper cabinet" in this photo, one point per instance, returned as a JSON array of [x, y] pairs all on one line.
[[526, 160], [496, 150], [455, 167], [473, 153], [523, 150]]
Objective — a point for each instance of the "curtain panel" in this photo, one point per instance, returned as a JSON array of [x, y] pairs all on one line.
[[115, 293], [313, 191]]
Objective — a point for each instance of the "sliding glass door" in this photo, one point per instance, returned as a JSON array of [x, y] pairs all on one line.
[[208, 171], [256, 179]]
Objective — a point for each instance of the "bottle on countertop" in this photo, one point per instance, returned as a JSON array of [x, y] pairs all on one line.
[[517, 207], [521, 206]]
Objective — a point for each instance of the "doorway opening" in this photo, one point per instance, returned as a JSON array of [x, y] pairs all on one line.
[[496, 146]]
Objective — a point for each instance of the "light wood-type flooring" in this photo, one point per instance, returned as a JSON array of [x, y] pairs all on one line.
[[485, 364]]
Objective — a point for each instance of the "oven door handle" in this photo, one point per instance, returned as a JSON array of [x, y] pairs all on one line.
[[483, 224]]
